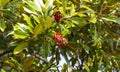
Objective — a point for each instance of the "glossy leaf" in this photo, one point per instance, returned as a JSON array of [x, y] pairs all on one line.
[[39, 4], [38, 29], [2, 25], [86, 67], [27, 19], [48, 4], [93, 18], [112, 19], [64, 5], [33, 5], [20, 47], [3, 2], [72, 10], [20, 34], [48, 23], [78, 21]]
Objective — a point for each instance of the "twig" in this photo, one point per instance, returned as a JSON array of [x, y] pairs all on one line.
[[41, 58]]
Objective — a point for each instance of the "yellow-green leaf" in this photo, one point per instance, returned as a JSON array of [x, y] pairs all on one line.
[[18, 34], [38, 29], [27, 19], [78, 21], [2, 25], [48, 22], [64, 5], [93, 18], [112, 19], [72, 10], [20, 47], [3, 2]]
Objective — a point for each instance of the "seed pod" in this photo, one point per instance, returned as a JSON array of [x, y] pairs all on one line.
[[60, 40], [57, 16]]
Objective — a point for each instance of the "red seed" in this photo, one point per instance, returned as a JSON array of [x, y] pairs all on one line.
[[60, 40]]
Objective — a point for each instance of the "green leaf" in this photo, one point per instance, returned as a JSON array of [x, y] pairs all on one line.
[[20, 47], [93, 18], [37, 19], [48, 23], [78, 21], [65, 68], [29, 10], [87, 8], [86, 67], [3, 2], [8, 61], [19, 66], [64, 5], [33, 5], [2, 25], [28, 62], [65, 32], [48, 4], [21, 31], [112, 19], [18, 34], [72, 10], [38, 29], [27, 19], [98, 42], [40, 5]]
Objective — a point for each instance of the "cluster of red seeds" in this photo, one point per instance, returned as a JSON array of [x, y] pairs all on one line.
[[57, 16], [60, 40]]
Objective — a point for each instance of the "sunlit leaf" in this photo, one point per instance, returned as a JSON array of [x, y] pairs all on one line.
[[65, 32], [20, 47], [93, 18], [20, 34], [78, 21], [86, 67], [64, 5], [40, 5], [27, 19], [2, 25], [48, 22], [38, 29], [33, 5], [21, 31], [37, 19], [87, 8], [48, 4], [19, 66], [72, 10], [112, 19], [29, 10], [3, 2]]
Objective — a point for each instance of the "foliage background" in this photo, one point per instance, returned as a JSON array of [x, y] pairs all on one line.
[[92, 28]]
